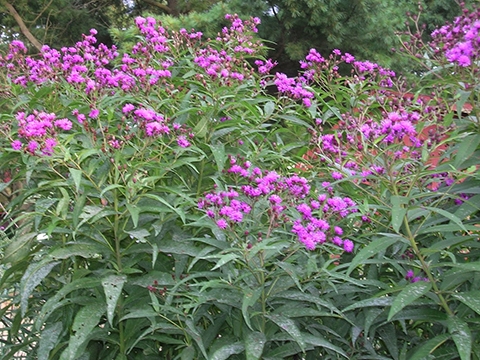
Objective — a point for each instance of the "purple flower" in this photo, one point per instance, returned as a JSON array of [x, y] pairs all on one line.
[[183, 142], [348, 245], [222, 223], [127, 108], [16, 145], [336, 175], [94, 114], [32, 146], [64, 124]]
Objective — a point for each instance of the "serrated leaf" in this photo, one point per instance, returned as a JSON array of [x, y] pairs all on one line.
[[225, 351], [254, 344], [409, 294], [371, 249], [139, 234], [289, 326], [112, 286], [448, 215], [398, 212], [461, 335], [85, 321]]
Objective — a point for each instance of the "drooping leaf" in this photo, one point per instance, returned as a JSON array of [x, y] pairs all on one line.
[[250, 297], [289, 326], [409, 294], [461, 335], [77, 177], [113, 285], [423, 351], [319, 341], [371, 249], [254, 344], [225, 351], [55, 301], [48, 339], [32, 277], [471, 299], [85, 321]]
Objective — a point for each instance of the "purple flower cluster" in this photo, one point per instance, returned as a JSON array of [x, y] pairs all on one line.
[[315, 230], [156, 125], [227, 63], [370, 147], [412, 278], [459, 41], [38, 132], [88, 67], [294, 88], [283, 196]]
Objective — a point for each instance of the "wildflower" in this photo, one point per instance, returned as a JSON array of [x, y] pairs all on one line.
[[348, 245]]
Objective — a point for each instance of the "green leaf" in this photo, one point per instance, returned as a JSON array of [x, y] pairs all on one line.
[[319, 341], [373, 302], [461, 336], [289, 326], [139, 234], [76, 176], [188, 353], [194, 333], [85, 321], [112, 285], [134, 213], [54, 301], [448, 215], [48, 339], [111, 187], [218, 152], [429, 347], [254, 344], [371, 249], [398, 212], [224, 259], [409, 294], [249, 299], [225, 351], [63, 204], [467, 147], [471, 299], [33, 276], [18, 248]]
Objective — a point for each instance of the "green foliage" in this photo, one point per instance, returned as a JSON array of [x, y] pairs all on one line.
[[357, 235]]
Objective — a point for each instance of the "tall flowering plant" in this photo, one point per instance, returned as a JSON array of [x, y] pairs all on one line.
[[165, 202]]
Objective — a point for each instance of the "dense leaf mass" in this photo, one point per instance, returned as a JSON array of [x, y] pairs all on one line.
[[183, 198]]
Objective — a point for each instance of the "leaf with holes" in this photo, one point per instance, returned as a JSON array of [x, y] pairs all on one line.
[[112, 285]]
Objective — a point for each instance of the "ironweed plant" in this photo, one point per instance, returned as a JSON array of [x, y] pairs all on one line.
[[163, 204]]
